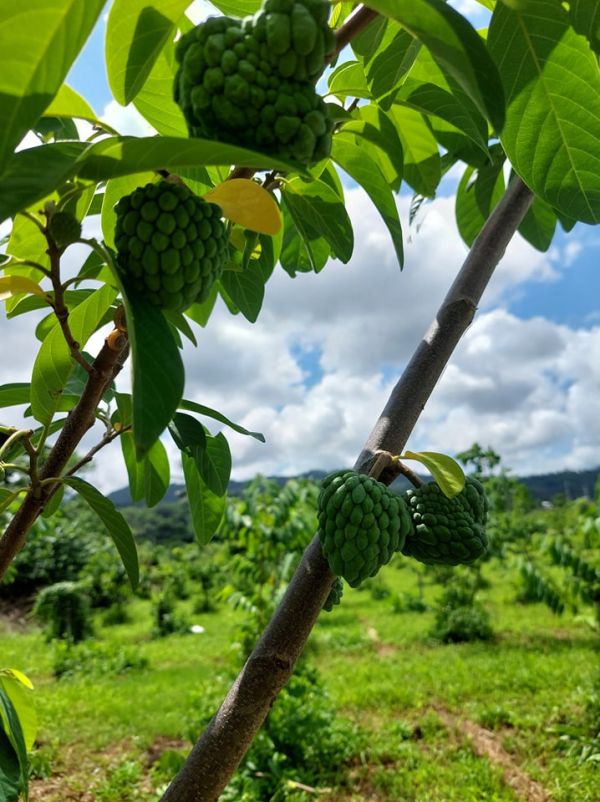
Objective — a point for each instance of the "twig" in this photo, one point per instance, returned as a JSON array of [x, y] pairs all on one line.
[[105, 367], [106, 439], [58, 304], [412, 477]]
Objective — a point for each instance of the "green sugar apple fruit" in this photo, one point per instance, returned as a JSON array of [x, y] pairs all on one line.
[[361, 524], [251, 82], [447, 530], [171, 244], [64, 228], [335, 595]]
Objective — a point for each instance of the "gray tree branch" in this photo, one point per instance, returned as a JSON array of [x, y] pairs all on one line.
[[220, 749]]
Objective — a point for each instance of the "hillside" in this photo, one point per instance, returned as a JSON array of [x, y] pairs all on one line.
[[572, 484]]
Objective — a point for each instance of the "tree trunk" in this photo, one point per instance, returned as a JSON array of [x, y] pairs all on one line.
[[220, 749]]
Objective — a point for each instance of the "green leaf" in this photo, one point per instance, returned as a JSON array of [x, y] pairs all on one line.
[[445, 470], [54, 503], [115, 156], [38, 43], [18, 688], [214, 463], [135, 470], [366, 172], [246, 289], [456, 46], [538, 225], [54, 364], [348, 80], [585, 18], [458, 111], [478, 193], [34, 173], [205, 506], [12, 727], [381, 141], [390, 63], [155, 100], [299, 254], [317, 212], [10, 771], [116, 526], [157, 474], [13, 394], [158, 375], [200, 313], [69, 103], [237, 8], [192, 406], [136, 32], [552, 83], [188, 433], [422, 165]]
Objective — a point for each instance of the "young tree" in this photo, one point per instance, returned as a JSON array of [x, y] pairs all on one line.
[[418, 91]]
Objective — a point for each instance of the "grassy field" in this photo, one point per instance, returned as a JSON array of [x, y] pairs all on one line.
[[437, 723]]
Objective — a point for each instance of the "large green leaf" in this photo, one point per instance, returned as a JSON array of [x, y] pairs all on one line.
[[237, 8], [455, 45], [158, 375], [300, 254], [116, 526], [117, 156], [192, 406], [246, 288], [552, 83], [348, 80], [34, 173], [136, 32], [39, 41], [69, 103], [157, 473], [422, 164], [155, 100], [205, 506], [54, 364], [359, 166], [317, 212]]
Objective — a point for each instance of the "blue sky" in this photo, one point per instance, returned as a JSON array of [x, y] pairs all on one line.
[[316, 369]]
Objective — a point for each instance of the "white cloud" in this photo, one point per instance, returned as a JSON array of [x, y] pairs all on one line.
[[526, 387]]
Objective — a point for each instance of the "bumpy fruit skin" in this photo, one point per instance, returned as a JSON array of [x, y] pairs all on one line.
[[447, 530], [335, 595], [361, 524], [64, 228], [171, 244], [251, 82]]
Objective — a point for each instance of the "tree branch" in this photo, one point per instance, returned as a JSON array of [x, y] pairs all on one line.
[[105, 367], [220, 749]]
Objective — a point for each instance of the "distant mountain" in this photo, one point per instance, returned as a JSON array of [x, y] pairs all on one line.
[[572, 484]]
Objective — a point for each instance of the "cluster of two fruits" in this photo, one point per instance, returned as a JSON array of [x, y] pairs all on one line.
[[362, 524], [248, 82]]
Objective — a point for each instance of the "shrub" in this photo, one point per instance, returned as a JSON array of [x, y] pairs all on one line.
[[96, 660], [65, 611]]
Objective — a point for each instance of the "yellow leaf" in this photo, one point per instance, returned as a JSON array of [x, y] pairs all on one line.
[[18, 675], [245, 202], [18, 285]]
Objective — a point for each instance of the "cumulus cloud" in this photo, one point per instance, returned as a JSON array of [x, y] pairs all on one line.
[[526, 387]]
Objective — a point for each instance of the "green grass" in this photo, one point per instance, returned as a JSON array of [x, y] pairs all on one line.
[[380, 669]]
